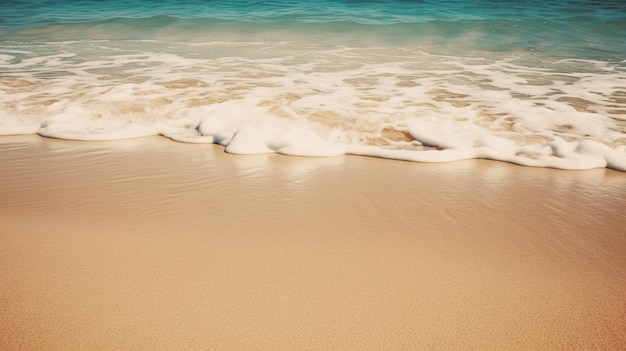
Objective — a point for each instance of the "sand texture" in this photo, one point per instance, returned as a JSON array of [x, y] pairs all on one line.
[[148, 244]]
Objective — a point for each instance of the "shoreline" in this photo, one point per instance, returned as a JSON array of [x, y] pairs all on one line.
[[148, 244]]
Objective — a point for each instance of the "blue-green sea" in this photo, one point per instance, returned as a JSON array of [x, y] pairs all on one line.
[[535, 83]]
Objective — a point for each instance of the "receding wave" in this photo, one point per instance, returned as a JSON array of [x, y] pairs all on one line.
[[315, 100], [418, 82]]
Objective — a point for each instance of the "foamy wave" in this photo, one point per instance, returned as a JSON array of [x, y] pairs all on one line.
[[307, 99]]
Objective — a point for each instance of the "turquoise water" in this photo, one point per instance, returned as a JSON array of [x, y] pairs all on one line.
[[582, 29], [534, 83]]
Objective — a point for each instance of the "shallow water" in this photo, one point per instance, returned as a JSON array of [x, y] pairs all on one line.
[[534, 84]]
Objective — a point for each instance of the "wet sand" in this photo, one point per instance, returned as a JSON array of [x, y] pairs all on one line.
[[148, 244]]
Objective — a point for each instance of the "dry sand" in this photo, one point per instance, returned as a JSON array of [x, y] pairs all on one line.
[[148, 244]]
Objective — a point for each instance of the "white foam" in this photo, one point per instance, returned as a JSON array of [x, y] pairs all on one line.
[[224, 120], [580, 155], [78, 123], [314, 100], [245, 128], [249, 140], [303, 142]]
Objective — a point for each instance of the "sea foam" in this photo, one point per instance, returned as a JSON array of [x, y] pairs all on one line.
[[412, 84], [398, 104]]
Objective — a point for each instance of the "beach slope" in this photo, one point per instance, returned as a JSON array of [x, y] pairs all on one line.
[[145, 244]]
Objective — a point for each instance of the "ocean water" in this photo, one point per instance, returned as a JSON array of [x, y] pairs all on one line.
[[535, 83]]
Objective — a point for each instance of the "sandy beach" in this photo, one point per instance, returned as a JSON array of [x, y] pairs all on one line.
[[149, 244]]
